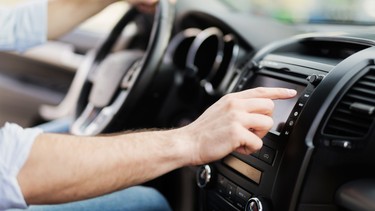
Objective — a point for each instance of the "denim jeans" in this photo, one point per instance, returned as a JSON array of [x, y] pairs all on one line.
[[57, 126], [137, 198]]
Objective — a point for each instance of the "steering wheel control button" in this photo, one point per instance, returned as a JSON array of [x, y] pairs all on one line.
[[131, 75], [267, 155], [204, 175]]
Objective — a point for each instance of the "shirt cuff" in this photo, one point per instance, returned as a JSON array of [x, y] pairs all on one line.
[[15, 147]]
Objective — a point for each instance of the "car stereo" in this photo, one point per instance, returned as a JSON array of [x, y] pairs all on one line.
[[245, 181]]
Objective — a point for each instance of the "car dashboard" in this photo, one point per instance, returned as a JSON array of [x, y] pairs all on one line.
[[321, 140], [319, 154]]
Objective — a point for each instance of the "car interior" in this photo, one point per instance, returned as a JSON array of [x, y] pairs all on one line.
[[163, 70]]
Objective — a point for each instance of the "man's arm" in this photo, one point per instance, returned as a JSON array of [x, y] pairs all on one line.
[[49, 19], [64, 168], [65, 15]]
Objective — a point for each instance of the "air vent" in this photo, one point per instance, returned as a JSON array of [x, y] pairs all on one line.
[[354, 115]]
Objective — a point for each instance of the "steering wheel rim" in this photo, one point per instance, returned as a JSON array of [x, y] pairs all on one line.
[[127, 74]]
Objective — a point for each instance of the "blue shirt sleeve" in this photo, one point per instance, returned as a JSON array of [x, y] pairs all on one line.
[[15, 146], [23, 26]]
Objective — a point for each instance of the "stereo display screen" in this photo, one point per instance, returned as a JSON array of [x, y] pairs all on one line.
[[283, 108]]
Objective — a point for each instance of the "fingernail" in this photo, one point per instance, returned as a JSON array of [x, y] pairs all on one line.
[[292, 92]]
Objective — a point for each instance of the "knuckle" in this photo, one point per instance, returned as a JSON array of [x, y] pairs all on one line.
[[257, 145], [233, 116], [269, 122], [254, 144], [230, 103], [234, 131]]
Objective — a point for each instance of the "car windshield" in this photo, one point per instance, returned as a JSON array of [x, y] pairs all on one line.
[[354, 12]]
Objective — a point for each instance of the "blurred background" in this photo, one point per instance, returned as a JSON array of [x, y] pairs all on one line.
[[311, 11]]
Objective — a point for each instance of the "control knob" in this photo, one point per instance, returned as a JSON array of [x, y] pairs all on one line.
[[315, 79], [204, 176], [257, 204]]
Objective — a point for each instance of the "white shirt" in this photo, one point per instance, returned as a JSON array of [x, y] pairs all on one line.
[[15, 146], [21, 27]]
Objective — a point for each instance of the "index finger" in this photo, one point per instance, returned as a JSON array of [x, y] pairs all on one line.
[[267, 92]]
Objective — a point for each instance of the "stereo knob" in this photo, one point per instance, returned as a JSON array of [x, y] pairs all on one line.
[[315, 79], [204, 176], [257, 204]]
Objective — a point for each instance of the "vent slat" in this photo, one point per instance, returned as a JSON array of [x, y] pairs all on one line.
[[347, 114], [368, 84], [344, 120], [369, 100], [364, 91], [370, 77], [347, 123], [343, 131]]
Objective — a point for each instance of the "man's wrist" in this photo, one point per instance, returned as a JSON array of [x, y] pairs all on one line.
[[182, 146]]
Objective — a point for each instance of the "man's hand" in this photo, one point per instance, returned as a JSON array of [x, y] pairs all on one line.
[[236, 122]]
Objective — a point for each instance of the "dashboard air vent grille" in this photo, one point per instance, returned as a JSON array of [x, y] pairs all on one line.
[[354, 114]]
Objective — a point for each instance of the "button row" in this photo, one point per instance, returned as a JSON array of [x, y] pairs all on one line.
[[232, 192], [295, 113]]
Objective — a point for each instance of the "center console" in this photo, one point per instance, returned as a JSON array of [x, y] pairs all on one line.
[[273, 178]]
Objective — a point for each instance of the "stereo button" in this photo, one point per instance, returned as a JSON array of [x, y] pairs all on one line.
[[231, 191], [315, 79], [221, 184], [242, 194], [256, 154], [267, 154]]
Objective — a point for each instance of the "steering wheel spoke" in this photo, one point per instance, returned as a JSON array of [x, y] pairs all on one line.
[[94, 119], [109, 75]]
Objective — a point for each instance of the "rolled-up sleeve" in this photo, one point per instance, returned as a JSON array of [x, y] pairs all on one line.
[[15, 146], [23, 26]]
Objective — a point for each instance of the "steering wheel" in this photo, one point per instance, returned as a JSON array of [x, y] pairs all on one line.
[[116, 82]]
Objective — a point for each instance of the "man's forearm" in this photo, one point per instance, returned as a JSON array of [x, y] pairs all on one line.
[[65, 168], [65, 15]]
